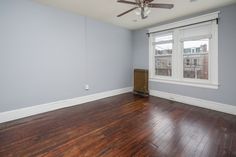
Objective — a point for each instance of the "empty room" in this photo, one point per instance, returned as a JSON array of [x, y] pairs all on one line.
[[117, 78]]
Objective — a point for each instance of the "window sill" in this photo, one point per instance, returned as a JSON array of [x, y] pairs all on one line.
[[170, 81]]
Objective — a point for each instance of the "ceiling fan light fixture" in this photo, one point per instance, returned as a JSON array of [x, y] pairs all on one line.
[[137, 11], [147, 11]]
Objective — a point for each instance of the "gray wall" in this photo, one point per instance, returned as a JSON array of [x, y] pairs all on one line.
[[227, 55], [140, 49], [47, 54]]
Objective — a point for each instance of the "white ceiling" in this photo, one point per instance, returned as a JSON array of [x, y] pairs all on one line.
[[107, 10]]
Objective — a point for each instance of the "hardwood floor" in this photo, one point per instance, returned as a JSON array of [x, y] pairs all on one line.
[[122, 126]]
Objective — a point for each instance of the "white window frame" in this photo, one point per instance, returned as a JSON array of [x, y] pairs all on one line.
[[177, 53]]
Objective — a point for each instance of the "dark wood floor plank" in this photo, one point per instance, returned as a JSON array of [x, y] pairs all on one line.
[[125, 125]]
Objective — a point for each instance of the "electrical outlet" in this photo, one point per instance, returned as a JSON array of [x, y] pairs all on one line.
[[86, 87]]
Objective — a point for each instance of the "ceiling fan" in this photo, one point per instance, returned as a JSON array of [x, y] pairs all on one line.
[[142, 7]]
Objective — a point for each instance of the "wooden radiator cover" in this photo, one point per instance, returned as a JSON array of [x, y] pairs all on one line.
[[141, 81]]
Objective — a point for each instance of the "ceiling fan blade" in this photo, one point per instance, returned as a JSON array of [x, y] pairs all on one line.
[[160, 5], [126, 12], [127, 2], [148, 1]]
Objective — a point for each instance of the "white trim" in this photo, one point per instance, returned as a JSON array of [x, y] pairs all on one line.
[[230, 109], [197, 19], [172, 81], [38, 109], [151, 58], [214, 63]]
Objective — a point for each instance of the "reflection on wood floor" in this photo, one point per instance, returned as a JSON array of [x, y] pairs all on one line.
[[122, 126]]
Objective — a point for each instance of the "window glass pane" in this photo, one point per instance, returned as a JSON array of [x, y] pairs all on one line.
[[163, 55], [163, 49], [163, 65], [164, 38], [195, 59], [197, 46]]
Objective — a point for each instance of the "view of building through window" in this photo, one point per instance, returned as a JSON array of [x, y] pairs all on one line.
[[195, 59], [163, 55]]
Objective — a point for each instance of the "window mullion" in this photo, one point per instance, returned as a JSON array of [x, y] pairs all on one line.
[[175, 58]]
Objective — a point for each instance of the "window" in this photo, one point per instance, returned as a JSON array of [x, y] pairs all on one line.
[[186, 55]]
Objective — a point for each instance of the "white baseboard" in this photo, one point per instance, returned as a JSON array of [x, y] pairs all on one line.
[[196, 102], [34, 110]]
